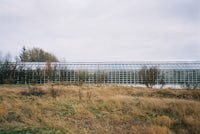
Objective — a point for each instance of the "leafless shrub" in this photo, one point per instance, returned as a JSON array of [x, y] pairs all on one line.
[[149, 76], [33, 90], [54, 92], [89, 95]]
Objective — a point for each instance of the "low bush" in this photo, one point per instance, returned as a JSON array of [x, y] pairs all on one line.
[[164, 121], [33, 90], [54, 92]]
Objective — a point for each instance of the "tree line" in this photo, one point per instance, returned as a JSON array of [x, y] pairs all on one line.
[[8, 68], [10, 71], [36, 55]]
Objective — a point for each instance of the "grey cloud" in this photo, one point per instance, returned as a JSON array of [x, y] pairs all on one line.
[[100, 30], [184, 9]]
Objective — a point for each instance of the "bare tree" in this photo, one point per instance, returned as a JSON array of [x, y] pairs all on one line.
[[149, 76], [7, 70], [82, 76], [48, 70], [100, 77]]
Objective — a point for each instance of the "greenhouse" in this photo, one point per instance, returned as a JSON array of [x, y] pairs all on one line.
[[116, 73]]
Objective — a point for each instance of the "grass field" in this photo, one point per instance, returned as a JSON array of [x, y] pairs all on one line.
[[98, 109]]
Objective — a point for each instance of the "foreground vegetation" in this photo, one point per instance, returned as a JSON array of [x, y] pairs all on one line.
[[98, 109]]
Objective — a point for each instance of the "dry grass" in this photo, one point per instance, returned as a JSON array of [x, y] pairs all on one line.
[[102, 109]]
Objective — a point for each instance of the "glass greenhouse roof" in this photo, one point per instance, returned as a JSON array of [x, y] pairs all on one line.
[[171, 65]]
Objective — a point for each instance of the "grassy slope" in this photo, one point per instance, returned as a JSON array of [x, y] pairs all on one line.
[[104, 109]]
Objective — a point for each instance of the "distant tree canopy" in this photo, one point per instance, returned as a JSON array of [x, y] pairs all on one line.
[[36, 55], [7, 70]]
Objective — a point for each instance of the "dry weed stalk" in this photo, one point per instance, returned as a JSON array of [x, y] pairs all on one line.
[[3, 114], [89, 95], [80, 95]]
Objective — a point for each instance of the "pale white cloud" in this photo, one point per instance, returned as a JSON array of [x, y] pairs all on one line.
[[102, 30]]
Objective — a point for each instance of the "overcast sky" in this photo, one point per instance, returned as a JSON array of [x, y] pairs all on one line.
[[103, 30]]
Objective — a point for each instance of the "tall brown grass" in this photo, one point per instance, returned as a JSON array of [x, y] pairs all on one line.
[[99, 109]]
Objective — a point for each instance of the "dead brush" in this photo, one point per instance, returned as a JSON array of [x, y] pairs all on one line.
[[89, 95], [3, 114], [152, 129], [80, 95], [33, 90], [54, 92], [164, 121]]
